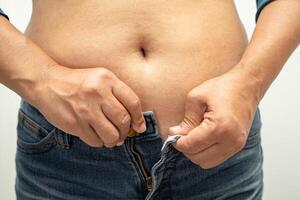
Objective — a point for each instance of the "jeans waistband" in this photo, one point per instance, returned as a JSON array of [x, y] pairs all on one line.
[[37, 116]]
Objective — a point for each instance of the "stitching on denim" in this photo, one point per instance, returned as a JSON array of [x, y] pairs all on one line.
[[134, 164], [62, 139], [30, 124], [174, 170], [153, 123], [42, 146]]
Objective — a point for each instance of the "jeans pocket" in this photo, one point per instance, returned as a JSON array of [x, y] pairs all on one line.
[[32, 136]]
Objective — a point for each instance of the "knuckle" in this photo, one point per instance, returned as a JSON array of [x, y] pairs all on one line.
[[191, 122], [82, 109], [108, 133], [89, 87], [125, 120], [192, 95], [71, 122], [105, 74], [135, 103], [113, 138]]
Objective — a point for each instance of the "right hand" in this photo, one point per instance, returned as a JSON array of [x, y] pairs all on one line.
[[90, 103]]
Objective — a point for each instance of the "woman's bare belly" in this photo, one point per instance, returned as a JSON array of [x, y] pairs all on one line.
[[161, 49]]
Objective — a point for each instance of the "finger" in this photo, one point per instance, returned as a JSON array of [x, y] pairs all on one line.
[[182, 129], [197, 139], [90, 137], [118, 115], [212, 156], [195, 108], [107, 132], [132, 103]]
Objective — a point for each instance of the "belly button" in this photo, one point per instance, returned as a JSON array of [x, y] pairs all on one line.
[[143, 52]]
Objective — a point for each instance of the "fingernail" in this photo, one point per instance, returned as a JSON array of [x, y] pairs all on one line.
[[141, 128], [175, 129], [120, 143]]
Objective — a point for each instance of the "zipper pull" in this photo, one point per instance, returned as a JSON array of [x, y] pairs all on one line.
[[149, 183]]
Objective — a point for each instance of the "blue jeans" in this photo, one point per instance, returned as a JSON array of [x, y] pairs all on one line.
[[52, 164]]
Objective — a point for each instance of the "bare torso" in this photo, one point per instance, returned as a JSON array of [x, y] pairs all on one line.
[[161, 49]]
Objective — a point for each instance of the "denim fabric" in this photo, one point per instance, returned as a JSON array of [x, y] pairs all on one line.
[[261, 4], [3, 14], [52, 164]]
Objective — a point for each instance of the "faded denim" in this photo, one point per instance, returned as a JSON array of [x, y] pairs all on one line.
[[52, 164]]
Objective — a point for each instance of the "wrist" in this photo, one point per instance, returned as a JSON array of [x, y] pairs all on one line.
[[249, 83], [49, 75], [29, 83], [22, 63]]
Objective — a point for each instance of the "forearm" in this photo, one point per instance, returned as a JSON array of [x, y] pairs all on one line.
[[22, 63], [276, 36]]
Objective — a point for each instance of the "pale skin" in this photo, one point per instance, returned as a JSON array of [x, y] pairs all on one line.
[[218, 128], [215, 122], [76, 95]]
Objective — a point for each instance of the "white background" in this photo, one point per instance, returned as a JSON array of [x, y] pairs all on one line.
[[280, 111]]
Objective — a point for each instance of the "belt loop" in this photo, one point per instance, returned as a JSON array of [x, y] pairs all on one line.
[[67, 140], [62, 139], [58, 138]]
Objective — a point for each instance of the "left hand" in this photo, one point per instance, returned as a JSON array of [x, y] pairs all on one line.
[[218, 117]]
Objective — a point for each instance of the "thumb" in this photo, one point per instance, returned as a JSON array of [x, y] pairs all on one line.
[[194, 111], [181, 129]]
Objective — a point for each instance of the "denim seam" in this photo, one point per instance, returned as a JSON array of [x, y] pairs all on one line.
[[42, 146], [170, 178], [153, 124], [62, 139], [135, 166], [160, 167], [170, 168], [30, 124], [156, 169]]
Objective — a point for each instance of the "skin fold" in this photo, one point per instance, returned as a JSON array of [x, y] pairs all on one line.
[[92, 67]]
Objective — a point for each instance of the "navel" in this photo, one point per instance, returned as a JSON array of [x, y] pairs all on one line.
[[143, 52]]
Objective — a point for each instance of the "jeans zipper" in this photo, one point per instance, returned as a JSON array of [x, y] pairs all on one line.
[[139, 161]]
